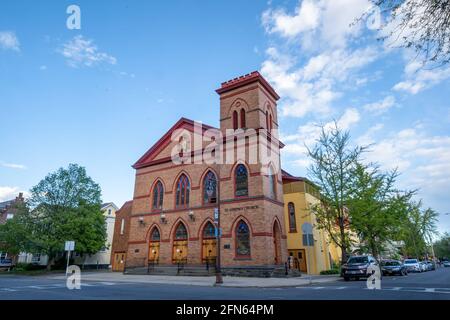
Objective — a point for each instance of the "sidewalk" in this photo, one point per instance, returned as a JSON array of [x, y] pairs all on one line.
[[236, 282]]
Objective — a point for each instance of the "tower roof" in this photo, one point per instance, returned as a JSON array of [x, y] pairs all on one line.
[[252, 77]]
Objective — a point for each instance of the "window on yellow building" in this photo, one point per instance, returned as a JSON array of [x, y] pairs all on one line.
[[292, 221]]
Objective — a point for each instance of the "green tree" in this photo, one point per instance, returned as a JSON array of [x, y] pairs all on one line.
[[14, 234], [418, 229], [442, 246], [377, 208], [333, 164], [64, 206]]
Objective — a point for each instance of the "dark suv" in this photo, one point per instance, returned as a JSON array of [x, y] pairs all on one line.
[[356, 267], [6, 264]]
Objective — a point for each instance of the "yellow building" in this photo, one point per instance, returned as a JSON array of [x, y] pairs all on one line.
[[299, 196]]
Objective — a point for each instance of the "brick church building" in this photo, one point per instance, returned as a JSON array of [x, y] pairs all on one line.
[[172, 214]]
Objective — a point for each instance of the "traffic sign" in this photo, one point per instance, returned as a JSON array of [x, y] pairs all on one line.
[[70, 246], [216, 214]]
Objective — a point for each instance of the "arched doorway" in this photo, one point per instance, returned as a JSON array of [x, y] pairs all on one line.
[[277, 242], [209, 244], [153, 250], [180, 244]]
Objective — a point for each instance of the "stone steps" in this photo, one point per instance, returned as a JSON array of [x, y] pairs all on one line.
[[190, 270], [277, 271]]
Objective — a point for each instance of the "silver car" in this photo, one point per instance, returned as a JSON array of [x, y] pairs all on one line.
[[423, 266], [412, 265]]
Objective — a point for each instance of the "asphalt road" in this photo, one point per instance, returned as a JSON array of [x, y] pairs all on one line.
[[432, 285]]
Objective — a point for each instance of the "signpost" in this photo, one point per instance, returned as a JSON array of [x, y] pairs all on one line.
[[308, 241], [69, 246], [216, 215]]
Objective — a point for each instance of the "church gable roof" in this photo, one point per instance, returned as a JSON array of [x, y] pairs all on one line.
[[152, 154]]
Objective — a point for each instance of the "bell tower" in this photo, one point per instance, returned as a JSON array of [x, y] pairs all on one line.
[[248, 101], [251, 191]]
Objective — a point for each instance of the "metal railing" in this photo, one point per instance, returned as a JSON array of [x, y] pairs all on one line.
[[151, 265], [209, 262], [180, 264], [134, 263]]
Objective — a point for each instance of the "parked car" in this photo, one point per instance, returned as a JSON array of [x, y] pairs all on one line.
[[446, 263], [412, 265], [356, 267], [393, 267], [431, 265], [423, 266], [6, 264]]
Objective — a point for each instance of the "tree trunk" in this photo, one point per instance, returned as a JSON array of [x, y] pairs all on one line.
[[374, 250], [344, 248], [50, 262], [344, 254]]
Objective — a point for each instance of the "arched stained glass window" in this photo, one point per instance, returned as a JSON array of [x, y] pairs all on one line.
[[292, 221], [241, 178], [243, 121], [155, 235], [183, 190], [181, 232], [210, 188], [242, 239], [209, 231], [235, 120], [158, 196]]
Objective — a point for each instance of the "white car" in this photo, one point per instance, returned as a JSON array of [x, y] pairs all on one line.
[[423, 266], [412, 265]]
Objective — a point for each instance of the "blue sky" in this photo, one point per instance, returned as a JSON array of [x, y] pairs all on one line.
[[102, 95]]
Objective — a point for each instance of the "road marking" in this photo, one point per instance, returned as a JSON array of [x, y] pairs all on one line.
[[56, 286], [87, 285], [399, 289]]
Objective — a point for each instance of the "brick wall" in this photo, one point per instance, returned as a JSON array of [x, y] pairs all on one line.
[[258, 210]]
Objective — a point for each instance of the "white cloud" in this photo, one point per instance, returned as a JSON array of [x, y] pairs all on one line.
[[309, 133], [423, 161], [421, 156], [381, 106], [338, 17], [313, 87], [306, 17], [311, 79], [408, 86], [368, 138], [348, 119], [417, 80], [83, 52], [9, 41], [10, 193], [12, 165], [317, 22]]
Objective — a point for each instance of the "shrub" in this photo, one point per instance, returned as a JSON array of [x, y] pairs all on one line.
[[331, 271], [28, 267]]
